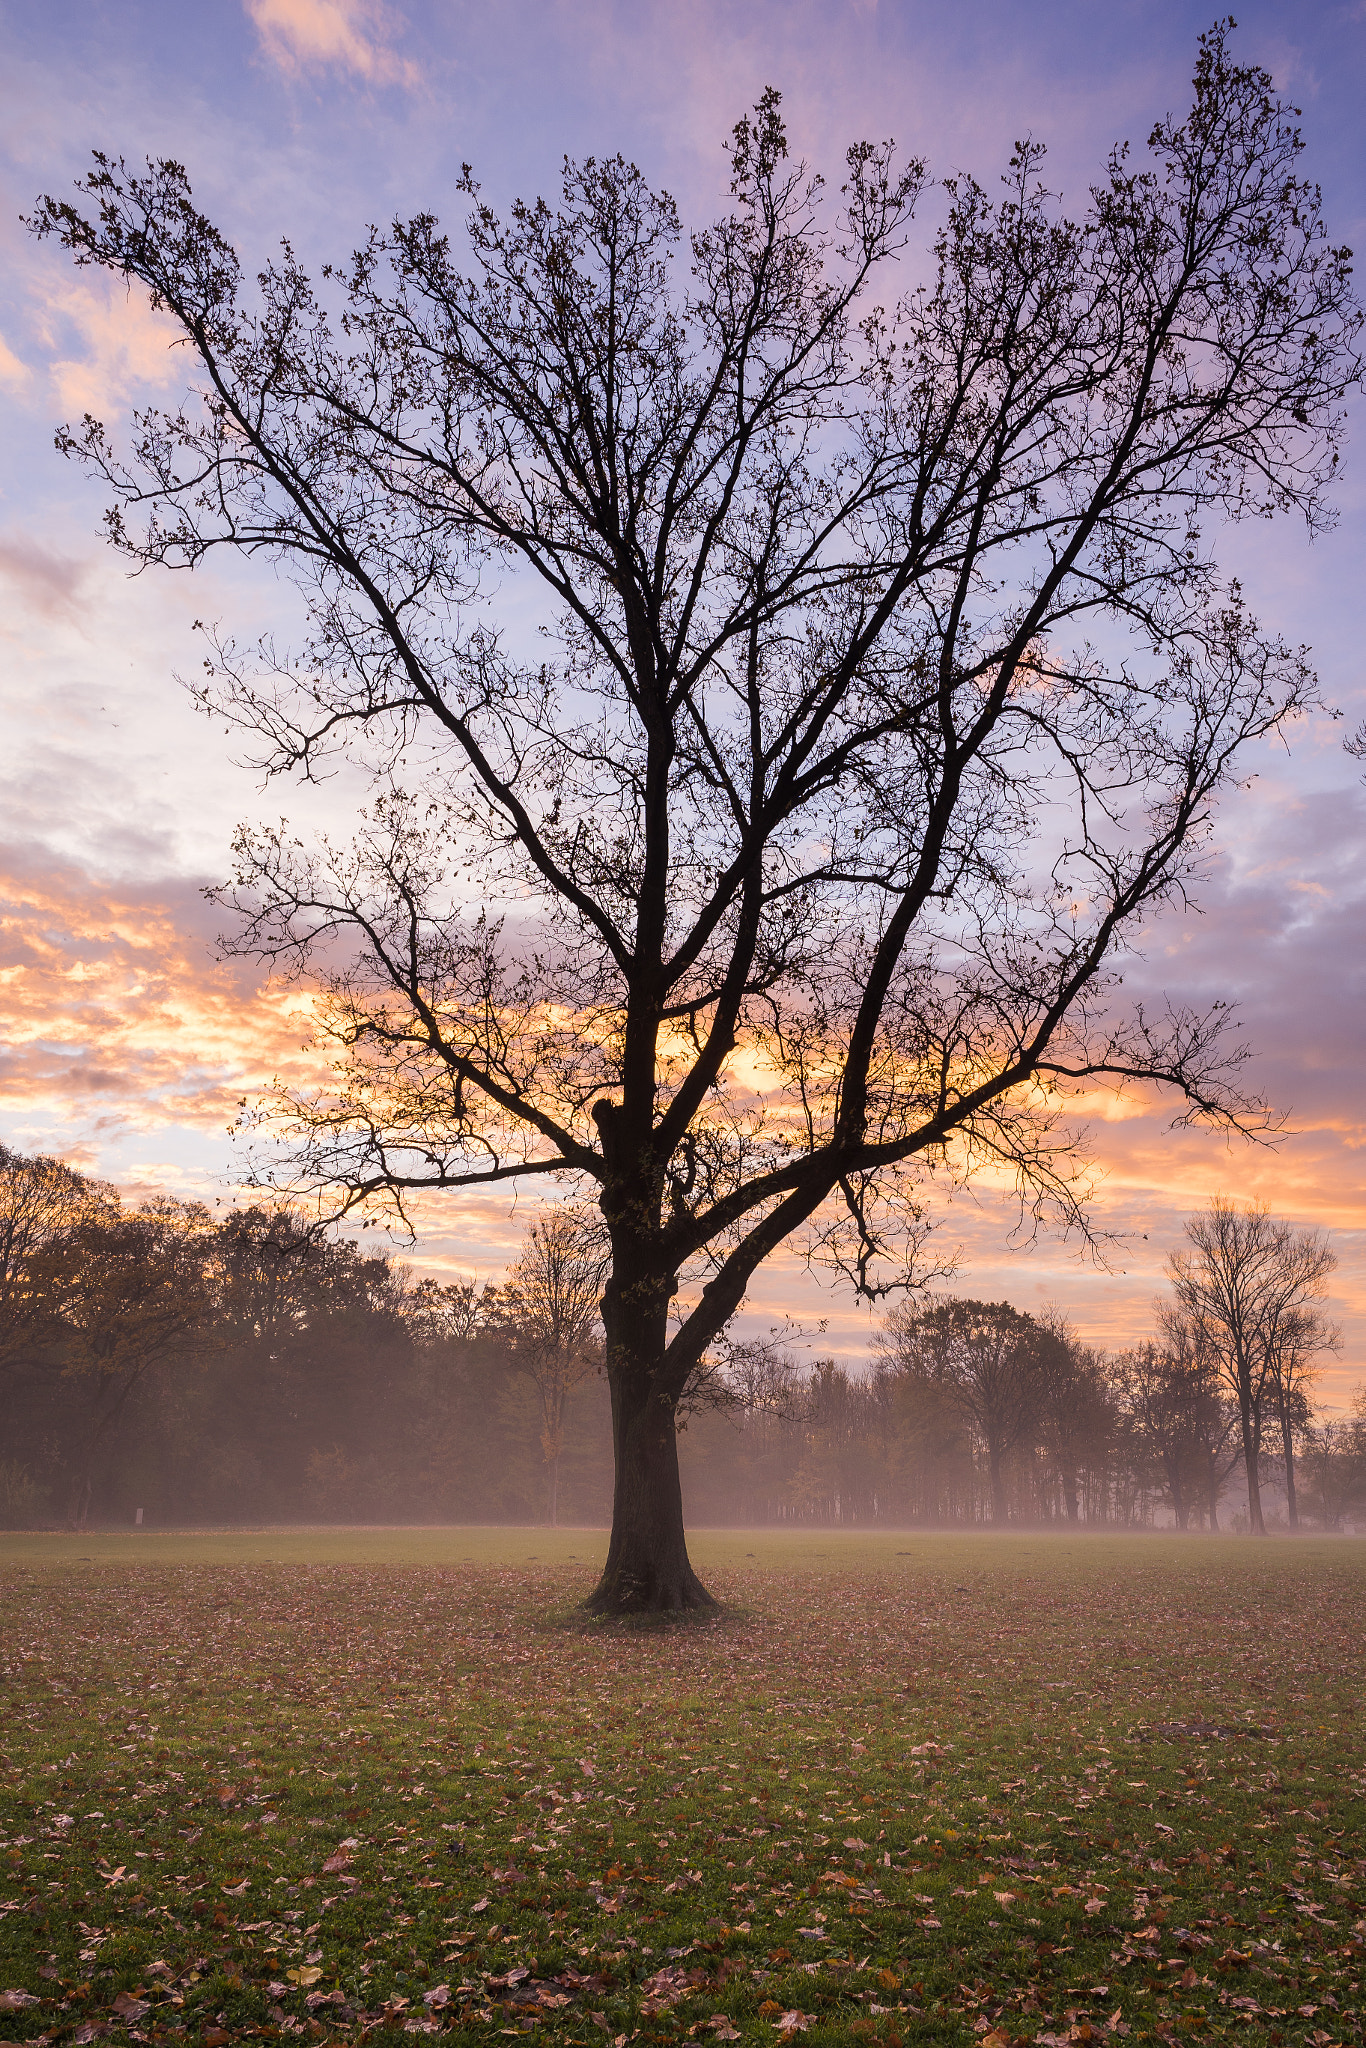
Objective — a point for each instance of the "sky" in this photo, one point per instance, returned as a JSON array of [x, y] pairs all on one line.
[[126, 1042]]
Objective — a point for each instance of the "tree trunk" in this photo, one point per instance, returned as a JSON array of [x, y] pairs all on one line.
[[80, 1498], [1213, 1493], [647, 1569], [1069, 1491], [999, 1510], [554, 1490], [1251, 1452], [1292, 1510]]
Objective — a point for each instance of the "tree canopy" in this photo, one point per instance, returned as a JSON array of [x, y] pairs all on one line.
[[882, 684]]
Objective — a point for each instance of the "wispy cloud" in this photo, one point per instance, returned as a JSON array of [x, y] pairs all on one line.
[[13, 373], [103, 340], [48, 583], [344, 35]]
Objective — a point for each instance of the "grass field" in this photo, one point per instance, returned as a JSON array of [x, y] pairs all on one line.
[[319, 1784]]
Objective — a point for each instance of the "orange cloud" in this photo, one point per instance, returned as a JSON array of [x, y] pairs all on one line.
[[347, 35], [127, 1047], [114, 1015]]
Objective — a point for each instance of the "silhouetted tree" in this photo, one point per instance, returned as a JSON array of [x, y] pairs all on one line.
[[984, 1357], [827, 584], [1245, 1284], [42, 1201], [130, 1292], [1075, 1410], [1183, 1420], [1296, 1336]]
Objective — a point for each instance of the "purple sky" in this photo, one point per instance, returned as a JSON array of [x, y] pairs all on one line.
[[125, 1047]]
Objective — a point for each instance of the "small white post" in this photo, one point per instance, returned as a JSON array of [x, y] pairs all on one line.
[[137, 1519]]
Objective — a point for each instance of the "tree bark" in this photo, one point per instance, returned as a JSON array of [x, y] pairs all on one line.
[[647, 1569]]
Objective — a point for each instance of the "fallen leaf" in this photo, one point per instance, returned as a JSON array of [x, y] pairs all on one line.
[[303, 1977], [17, 2001], [1095, 1905], [480, 1906], [1004, 1898], [130, 2008]]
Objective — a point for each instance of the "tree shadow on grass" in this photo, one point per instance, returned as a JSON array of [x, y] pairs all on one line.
[[571, 1617]]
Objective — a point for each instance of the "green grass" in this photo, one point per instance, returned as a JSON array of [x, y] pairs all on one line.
[[904, 1788]]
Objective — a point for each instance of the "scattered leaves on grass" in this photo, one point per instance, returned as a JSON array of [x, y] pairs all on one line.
[[757, 1814]]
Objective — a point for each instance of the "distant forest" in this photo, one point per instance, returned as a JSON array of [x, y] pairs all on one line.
[[242, 1370]]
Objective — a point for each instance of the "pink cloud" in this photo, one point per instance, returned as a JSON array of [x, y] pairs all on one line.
[[347, 35], [13, 373], [46, 582], [120, 341]]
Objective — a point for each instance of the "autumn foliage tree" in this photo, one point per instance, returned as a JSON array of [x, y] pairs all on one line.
[[43, 1201], [887, 680], [126, 1292]]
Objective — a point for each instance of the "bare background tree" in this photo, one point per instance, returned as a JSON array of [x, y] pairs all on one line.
[[985, 1358], [1244, 1291], [1183, 1416], [549, 1310], [1296, 1337], [886, 686], [127, 1292]]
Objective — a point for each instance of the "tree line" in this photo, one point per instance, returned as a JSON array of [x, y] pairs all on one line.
[[243, 1367]]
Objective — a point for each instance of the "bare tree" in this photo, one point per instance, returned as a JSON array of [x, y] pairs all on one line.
[[1296, 1337], [985, 1356], [1183, 1418], [887, 681], [1335, 1459], [548, 1309], [1245, 1286]]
